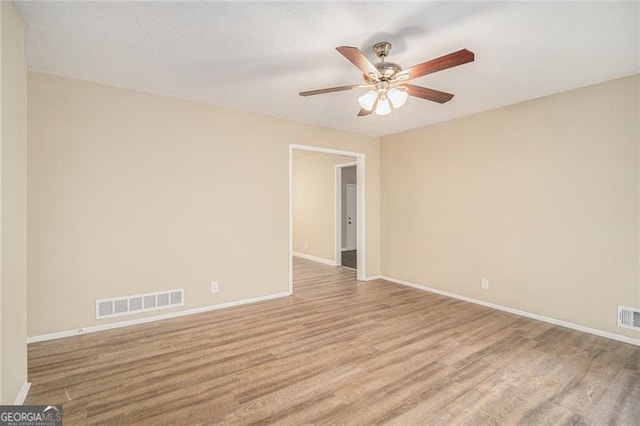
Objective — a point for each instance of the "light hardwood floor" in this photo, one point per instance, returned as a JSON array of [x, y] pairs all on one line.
[[339, 351]]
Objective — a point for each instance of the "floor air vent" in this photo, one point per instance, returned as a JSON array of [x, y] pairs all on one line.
[[117, 306], [629, 317]]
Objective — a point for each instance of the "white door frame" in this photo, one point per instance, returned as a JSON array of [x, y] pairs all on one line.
[[361, 245], [338, 203]]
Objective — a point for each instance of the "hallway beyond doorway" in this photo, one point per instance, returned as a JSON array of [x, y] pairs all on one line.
[[350, 259]]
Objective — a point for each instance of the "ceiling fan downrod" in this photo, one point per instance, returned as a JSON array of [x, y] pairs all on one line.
[[386, 69]]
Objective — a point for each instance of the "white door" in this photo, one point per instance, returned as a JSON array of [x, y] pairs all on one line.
[[351, 216]]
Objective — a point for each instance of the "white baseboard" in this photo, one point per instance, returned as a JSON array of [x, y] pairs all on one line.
[[374, 277], [315, 259], [22, 395], [578, 327], [95, 328]]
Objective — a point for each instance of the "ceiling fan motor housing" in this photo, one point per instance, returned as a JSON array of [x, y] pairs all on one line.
[[388, 69]]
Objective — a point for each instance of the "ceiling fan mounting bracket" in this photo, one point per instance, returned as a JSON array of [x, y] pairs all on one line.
[[382, 49]]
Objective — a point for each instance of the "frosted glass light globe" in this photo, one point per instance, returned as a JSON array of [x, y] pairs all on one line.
[[383, 107], [397, 97], [367, 100]]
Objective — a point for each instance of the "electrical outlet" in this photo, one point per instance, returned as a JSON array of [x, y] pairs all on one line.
[[485, 284], [306, 245], [214, 287]]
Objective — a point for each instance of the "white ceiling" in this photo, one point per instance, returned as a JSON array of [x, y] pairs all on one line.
[[258, 56]]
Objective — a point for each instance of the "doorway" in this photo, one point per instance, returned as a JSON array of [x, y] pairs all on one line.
[[349, 253], [358, 218], [347, 214]]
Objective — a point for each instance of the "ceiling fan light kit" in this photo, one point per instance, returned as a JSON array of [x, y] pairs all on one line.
[[387, 81], [378, 100]]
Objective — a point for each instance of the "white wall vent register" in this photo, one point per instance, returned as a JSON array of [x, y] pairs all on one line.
[[126, 305], [629, 317]]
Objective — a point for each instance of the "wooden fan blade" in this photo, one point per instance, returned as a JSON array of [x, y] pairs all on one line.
[[442, 63], [428, 94], [358, 59], [328, 90]]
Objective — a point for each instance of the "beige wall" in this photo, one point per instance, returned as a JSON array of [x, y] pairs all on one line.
[[13, 206], [131, 192], [541, 198], [314, 199]]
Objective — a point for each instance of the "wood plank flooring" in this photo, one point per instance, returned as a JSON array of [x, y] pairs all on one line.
[[343, 352]]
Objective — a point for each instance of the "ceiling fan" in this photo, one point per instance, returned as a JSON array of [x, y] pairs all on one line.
[[388, 81]]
